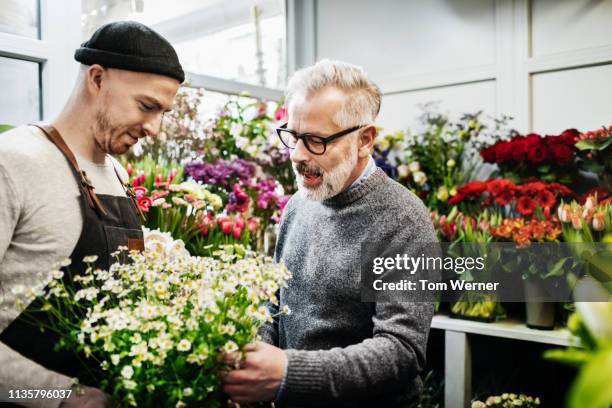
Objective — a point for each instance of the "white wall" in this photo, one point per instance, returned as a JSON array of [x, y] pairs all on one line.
[[548, 63]]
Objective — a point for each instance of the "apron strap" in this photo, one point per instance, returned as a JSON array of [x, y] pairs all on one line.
[[129, 190], [86, 186]]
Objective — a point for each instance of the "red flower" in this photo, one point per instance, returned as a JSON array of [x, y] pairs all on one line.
[[561, 153], [280, 114], [545, 199], [570, 136], [237, 232], [144, 203], [473, 188], [140, 191], [504, 197], [488, 154], [525, 205], [226, 227], [503, 151], [518, 148], [537, 153]]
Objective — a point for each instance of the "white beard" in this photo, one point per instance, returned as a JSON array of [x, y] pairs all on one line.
[[332, 182]]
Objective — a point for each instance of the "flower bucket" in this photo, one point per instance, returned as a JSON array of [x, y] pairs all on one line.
[[539, 314], [479, 307]]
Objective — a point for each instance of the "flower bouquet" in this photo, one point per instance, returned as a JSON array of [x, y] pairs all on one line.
[[595, 151], [511, 198], [433, 161], [469, 237], [157, 326], [549, 158]]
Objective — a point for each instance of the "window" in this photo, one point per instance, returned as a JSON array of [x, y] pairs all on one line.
[[238, 40], [20, 17], [20, 102]]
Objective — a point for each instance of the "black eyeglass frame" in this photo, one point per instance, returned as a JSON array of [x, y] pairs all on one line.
[[306, 137]]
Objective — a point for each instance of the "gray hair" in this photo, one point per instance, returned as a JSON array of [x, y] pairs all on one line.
[[363, 96]]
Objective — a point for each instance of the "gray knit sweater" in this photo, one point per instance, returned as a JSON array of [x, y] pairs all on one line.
[[342, 351]]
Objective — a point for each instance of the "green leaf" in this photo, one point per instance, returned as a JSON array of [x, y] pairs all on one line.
[[590, 144], [592, 387], [5, 127], [557, 268], [571, 356]]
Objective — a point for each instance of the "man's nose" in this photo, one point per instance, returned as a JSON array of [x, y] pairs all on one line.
[[153, 125], [300, 153]]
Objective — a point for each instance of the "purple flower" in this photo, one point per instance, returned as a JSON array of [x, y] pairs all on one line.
[[221, 171]]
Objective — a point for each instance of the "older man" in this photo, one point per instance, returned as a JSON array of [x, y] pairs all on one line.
[[62, 195], [334, 350]]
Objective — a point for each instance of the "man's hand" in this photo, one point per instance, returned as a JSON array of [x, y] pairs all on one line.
[[259, 375], [87, 397]]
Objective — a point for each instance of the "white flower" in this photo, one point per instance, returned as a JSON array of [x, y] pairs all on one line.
[[286, 310], [188, 392], [176, 250], [183, 345], [414, 167], [115, 358], [129, 384], [127, 372], [90, 259], [419, 177], [403, 171]]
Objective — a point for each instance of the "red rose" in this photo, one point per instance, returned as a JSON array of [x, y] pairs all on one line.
[[518, 148], [537, 154], [532, 139], [561, 153], [545, 199], [525, 205], [488, 154], [570, 136], [503, 151]]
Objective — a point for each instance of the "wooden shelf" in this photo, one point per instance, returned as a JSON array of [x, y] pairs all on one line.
[[508, 328]]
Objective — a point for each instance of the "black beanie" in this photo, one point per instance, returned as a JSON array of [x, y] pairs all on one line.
[[131, 46]]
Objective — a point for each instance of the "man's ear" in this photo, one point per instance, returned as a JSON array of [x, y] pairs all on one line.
[[95, 75], [367, 136]]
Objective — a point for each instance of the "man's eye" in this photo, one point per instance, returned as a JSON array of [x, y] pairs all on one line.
[[145, 107]]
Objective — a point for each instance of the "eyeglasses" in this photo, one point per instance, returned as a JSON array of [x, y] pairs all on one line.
[[315, 144]]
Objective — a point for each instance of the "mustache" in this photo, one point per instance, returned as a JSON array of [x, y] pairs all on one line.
[[304, 168]]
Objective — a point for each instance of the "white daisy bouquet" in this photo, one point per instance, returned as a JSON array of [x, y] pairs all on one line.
[[158, 324]]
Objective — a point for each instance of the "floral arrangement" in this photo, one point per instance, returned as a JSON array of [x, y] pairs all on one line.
[[519, 199], [550, 158], [435, 160], [588, 222], [158, 324], [595, 150], [524, 231], [151, 175], [221, 173], [182, 133], [508, 400]]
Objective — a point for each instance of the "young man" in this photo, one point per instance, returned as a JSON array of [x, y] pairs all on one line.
[[63, 196], [334, 350]]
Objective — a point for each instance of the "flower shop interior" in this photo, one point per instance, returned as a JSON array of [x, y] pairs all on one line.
[[496, 113]]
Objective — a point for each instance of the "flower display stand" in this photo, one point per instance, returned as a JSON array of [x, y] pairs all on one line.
[[457, 353]]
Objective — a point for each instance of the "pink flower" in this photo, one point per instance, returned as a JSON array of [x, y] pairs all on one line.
[[599, 221], [140, 191], [226, 227], [237, 232]]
